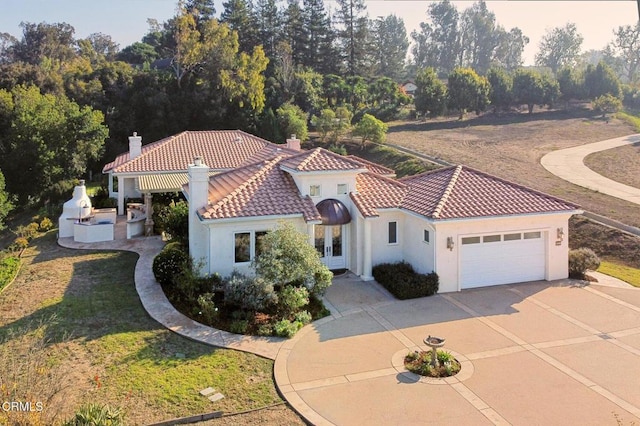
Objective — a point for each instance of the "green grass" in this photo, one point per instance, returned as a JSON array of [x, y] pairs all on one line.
[[129, 360], [625, 273], [629, 119]]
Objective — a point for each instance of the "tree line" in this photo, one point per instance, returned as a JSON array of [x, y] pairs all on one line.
[[67, 105]]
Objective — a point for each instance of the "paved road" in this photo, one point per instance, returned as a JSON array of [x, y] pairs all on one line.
[[568, 164]]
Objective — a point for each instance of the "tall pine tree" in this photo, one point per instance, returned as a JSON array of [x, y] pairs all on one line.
[[318, 51], [238, 14], [353, 35]]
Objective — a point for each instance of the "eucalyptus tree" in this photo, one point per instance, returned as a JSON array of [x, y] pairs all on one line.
[[508, 54], [626, 48], [437, 44], [390, 46], [479, 37], [560, 47]]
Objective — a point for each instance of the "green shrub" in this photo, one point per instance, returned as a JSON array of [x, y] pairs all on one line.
[[8, 269], [208, 309], [403, 282], [303, 317], [291, 299], [286, 328], [264, 330], [45, 225], [168, 264], [338, 149], [174, 220], [249, 293], [101, 199], [239, 326], [581, 260], [97, 415]]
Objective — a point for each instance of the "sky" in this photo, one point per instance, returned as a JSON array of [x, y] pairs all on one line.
[[126, 20]]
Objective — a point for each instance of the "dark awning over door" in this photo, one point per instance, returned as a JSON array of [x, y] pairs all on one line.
[[333, 212]]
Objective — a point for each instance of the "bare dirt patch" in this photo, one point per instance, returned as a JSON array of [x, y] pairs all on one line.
[[511, 146], [621, 164]]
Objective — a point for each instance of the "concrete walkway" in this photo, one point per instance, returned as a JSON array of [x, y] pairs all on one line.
[[160, 309], [565, 352], [568, 164]]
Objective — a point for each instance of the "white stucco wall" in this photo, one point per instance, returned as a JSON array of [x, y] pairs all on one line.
[[447, 261], [416, 251], [222, 242], [381, 250]]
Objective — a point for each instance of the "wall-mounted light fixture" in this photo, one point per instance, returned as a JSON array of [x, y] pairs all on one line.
[[560, 233], [450, 243]]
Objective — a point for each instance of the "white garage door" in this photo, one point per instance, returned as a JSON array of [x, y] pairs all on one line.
[[502, 259]]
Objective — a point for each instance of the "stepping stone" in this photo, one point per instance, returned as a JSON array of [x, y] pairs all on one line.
[[207, 391], [217, 397]]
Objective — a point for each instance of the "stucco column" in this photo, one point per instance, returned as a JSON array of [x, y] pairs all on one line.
[[110, 183], [311, 233], [120, 195], [148, 208], [366, 248]]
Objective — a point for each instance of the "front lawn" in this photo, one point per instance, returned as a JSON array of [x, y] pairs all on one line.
[[76, 317], [625, 273]]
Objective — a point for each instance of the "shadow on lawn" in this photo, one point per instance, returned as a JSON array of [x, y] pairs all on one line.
[[98, 300], [490, 119]]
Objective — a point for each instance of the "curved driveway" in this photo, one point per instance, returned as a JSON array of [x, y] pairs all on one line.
[[533, 353], [568, 164]]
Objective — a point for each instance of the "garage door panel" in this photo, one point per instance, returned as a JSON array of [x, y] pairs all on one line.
[[504, 262]]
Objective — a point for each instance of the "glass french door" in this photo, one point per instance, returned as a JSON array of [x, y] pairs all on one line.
[[329, 241]]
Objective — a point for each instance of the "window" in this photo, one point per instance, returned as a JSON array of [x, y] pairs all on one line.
[[490, 238], [248, 245], [343, 188], [512, 237], [393, 232], [426, 236], [471, 240], [531, 235], [258, 241], [243, 247], [314, 190]]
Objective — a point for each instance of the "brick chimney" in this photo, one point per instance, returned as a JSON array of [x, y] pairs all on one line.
[[293, 143], [198, 198], [135, 146]]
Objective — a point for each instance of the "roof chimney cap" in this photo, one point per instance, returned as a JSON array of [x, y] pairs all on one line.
[[197, 161]]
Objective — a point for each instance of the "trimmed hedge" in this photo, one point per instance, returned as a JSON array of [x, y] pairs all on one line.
[[582, 260], [403, 282], [168, 264]]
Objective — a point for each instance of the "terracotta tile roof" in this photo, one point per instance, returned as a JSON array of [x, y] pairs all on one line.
[[259, 189], [462, 192], [320, 159], [373, 167], [377, 192], [220, 149]]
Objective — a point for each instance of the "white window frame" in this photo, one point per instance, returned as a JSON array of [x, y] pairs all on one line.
[[345, 186], [312, 188], [252, 245], [426, 233], [397, 228]]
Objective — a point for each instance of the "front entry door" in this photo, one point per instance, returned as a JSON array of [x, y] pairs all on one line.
[[329, 241]]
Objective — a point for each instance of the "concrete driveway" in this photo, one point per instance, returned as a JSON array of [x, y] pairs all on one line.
[[533, 353]]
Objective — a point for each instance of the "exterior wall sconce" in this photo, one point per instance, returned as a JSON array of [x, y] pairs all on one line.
[[450, 243], [559, 236]]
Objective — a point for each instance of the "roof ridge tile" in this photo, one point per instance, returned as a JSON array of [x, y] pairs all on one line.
[[447, 192]]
